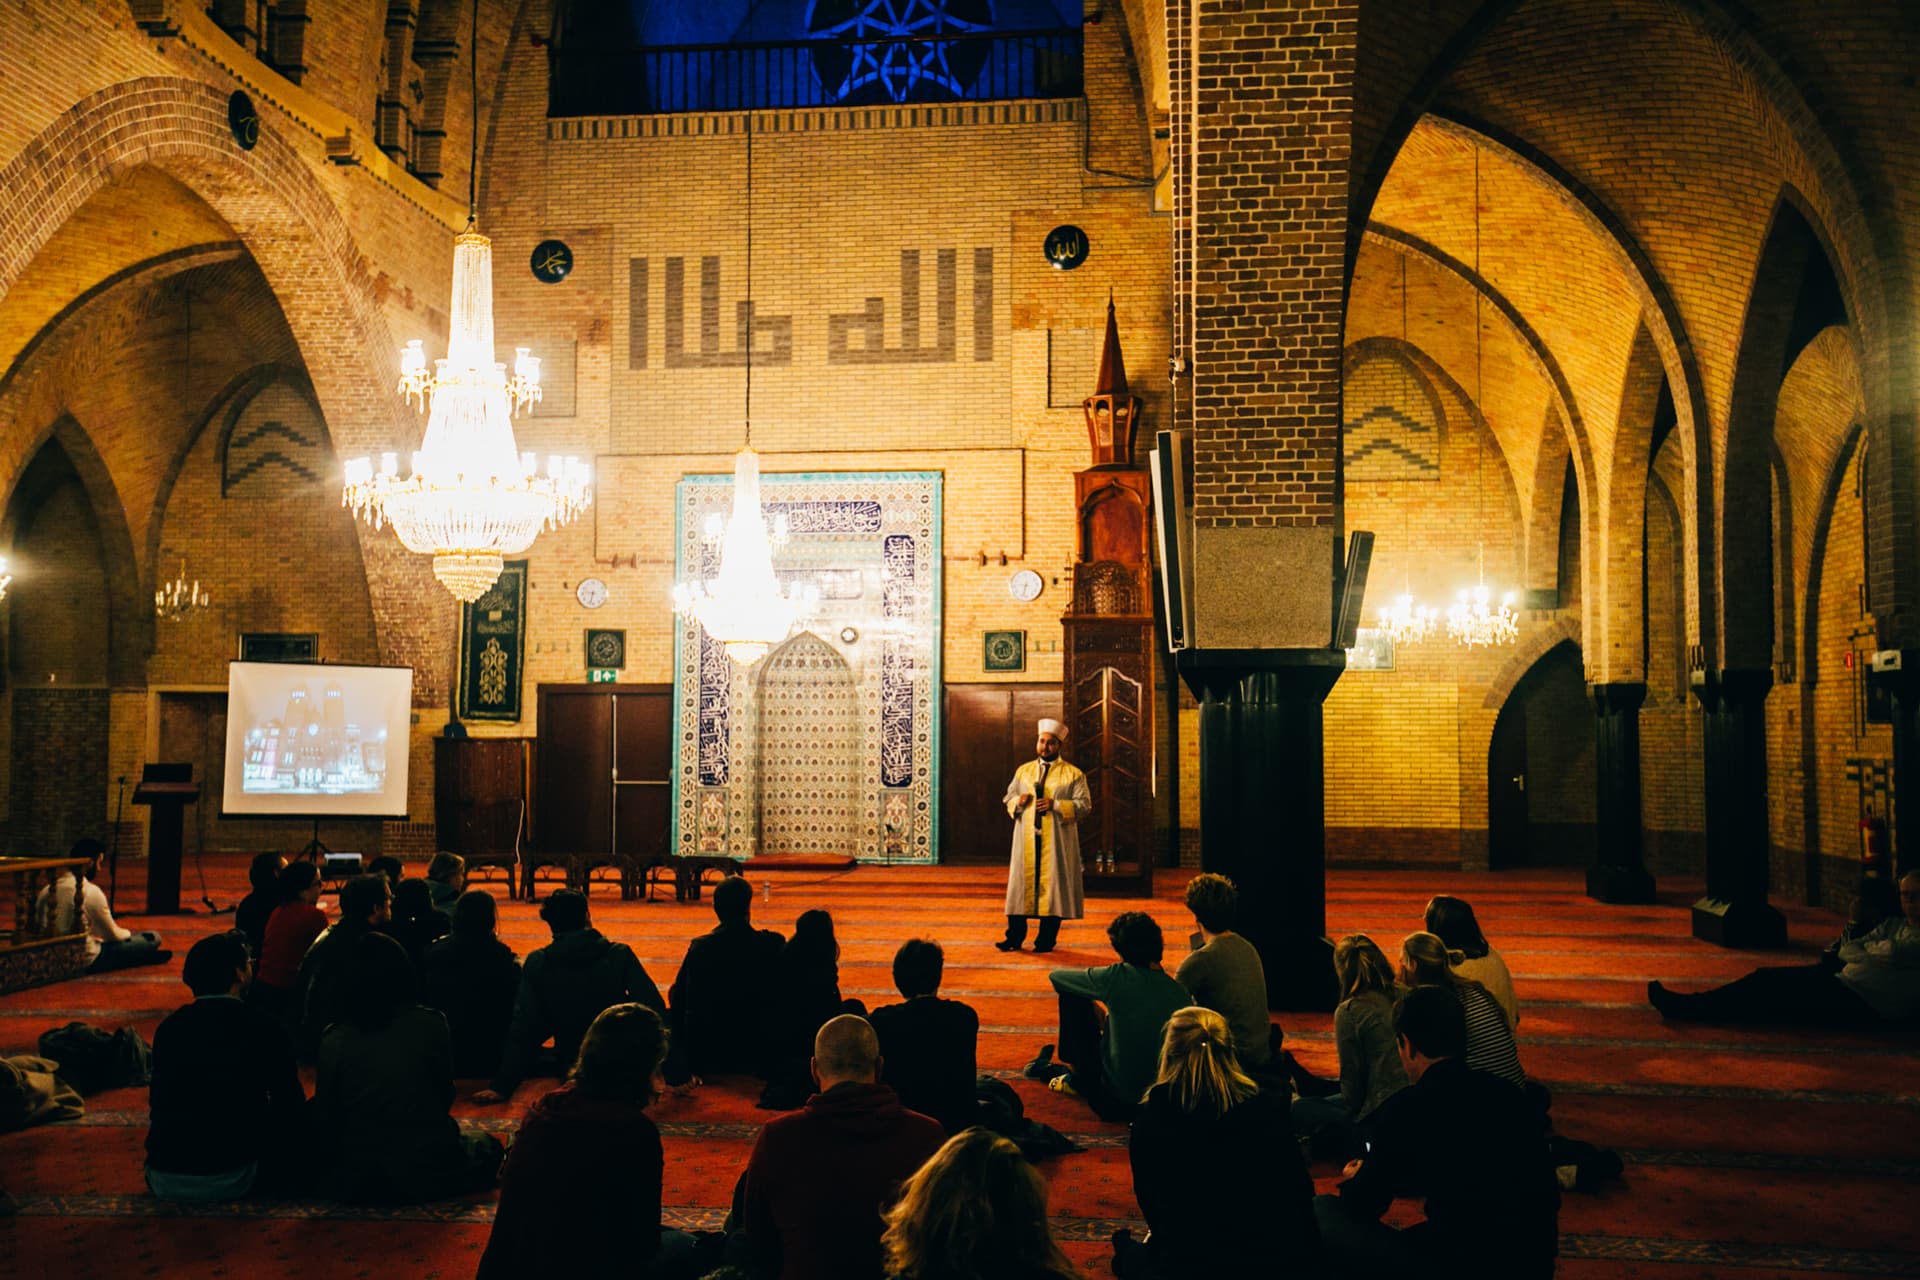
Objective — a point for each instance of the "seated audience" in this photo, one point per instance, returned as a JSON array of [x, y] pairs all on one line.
[[580, 1191], [1426, 962], [72, 904], [1224, 972], [806, 988], [225, 1103], [819, 1180], [290, 930], [1878, 984], [1451, 920], [366, 904], [389, 867], [1469, 1142], [472, 977], [1216, 1172], [976, 1211], [928, 1044], [416, 925], [250, 917], [1112, 1065], [563, 988], [447, 877], [383, 1089], [1370, 1067], [723, 993]]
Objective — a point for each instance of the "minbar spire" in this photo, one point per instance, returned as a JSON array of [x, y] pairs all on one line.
[[1112, 413]]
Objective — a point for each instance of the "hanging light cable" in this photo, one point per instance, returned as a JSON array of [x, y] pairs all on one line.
[[1474, 619], [744, 607], [471, 497], [1406, 620]]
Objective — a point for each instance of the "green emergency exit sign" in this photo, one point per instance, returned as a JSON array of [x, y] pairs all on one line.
[[601, 675]]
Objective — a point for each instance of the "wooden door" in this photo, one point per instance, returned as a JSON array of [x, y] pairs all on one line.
[[1507, 788], [642, 768], [988, 732], [1110, 713], [604, 768]]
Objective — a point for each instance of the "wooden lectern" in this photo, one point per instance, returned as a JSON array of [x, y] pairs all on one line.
[[165, 789]]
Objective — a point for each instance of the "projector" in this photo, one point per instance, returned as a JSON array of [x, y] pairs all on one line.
[[340, 866]]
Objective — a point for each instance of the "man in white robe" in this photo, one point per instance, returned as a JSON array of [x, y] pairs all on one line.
[[1046, 800]]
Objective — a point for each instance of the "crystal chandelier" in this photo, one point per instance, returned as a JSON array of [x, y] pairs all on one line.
[[470, 498], [1408, 622], [174, 601], [744, 607], [1473, 618]]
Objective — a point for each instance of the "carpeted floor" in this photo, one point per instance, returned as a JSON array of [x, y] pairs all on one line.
[[1749, 1154]]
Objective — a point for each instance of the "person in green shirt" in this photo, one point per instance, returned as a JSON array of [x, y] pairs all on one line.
[[1112, 1063]]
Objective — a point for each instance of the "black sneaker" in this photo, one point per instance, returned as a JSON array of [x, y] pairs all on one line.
[[1043, 1067], [1006, 944]]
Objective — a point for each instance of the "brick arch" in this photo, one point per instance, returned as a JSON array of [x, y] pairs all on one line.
[[129, 608], [1419, 369], [1530, 341], [1743, 476], [1536, 644], [297, 237]]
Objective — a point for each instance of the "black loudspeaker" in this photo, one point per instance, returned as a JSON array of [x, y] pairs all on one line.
[[1172, 537], [1353, 589]]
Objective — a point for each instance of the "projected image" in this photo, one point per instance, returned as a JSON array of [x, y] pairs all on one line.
[[318, 744]]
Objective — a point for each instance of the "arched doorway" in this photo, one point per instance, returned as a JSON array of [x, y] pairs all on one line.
[[811, 740], [1540, 768]]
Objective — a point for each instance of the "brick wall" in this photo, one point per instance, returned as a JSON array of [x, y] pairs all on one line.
[[59, 769]]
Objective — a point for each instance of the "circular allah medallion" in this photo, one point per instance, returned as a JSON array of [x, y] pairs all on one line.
[[1066, 247], [552, 261], [243, 120]]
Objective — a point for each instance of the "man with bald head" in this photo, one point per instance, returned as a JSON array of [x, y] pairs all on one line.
[[818, 1179]]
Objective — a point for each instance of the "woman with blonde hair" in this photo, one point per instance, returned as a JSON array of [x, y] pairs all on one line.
[[1425, 961], [1216, 1171], [976, 1210], [1370, 1066]]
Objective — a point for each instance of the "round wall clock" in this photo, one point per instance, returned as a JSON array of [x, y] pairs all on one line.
[[591, 593], [1025, 585], [551, 261], [243, 120]]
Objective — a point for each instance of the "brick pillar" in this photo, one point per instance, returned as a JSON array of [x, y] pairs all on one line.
[[1260, 95], [1735, 912], [1619, 872]]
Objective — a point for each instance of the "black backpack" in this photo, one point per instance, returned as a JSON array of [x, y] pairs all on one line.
[[91, 1058]]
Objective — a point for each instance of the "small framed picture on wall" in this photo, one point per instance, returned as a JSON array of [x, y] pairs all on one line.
[[1005, 651], [279, 646]]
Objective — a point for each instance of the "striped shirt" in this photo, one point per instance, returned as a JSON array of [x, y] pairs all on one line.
[[1490, 1046]]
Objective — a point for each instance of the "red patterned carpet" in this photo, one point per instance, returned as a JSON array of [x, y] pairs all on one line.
[[1749, 1154]]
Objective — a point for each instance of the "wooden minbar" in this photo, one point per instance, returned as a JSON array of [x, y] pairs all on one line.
[[1107, 681]]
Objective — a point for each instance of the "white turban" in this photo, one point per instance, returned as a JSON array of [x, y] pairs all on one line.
[[1055, 728]]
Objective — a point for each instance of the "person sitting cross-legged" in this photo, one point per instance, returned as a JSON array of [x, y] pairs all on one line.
[[366, 905], [1111, 1066], [76, 903], [1215, 1168], [1451, 920], [819, 1179], [225, 1105], [250, 917], [417, 924], [1467, 1141], [446, 879], [1425, 961], [723, 1018], [1338, 1125], [580, 1192], [563, 987], [473, 978], [291, 929], [1225, 974], [383, 1088], [929, 1045], [1878, 983]]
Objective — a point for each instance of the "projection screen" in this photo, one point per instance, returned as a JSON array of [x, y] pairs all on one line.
[[317, 740]]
